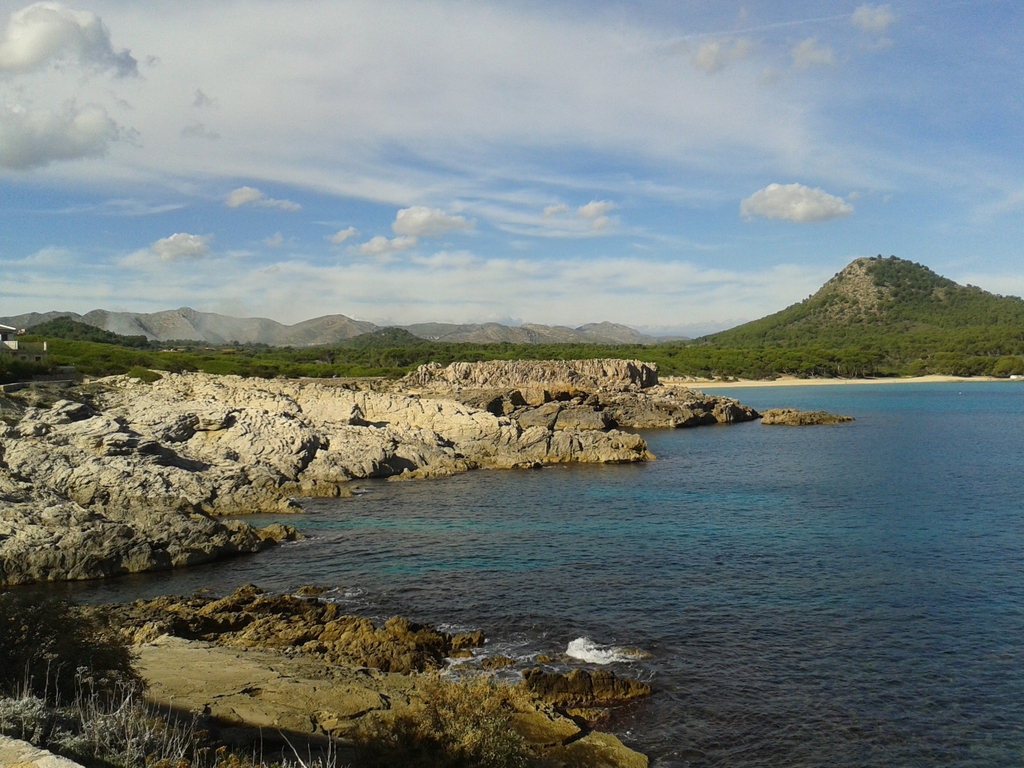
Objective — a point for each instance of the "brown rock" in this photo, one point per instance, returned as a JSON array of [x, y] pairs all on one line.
[[497, 662], [580, 688], [465, 640], [250, 618], [275, 533], [790, 417]]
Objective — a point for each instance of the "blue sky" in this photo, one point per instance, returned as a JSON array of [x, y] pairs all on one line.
[[674, 166]]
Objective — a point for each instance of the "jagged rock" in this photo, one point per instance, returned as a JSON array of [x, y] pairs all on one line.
[[250, 618], [790, 417], [604, 405], [580, 688], [497, 662], [671, 407], [564, 375], [278, 532], [155, 459], [47, 537]]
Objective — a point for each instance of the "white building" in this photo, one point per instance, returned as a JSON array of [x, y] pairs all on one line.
[[32, 352]]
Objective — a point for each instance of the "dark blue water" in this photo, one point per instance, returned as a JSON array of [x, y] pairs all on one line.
[[849, 595]]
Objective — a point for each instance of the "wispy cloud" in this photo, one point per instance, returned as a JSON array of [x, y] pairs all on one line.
[[810, 53]]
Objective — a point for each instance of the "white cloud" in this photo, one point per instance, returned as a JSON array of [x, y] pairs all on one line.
[[714, 55], [45, 32], [181, 245], [380, 245], [252, 196], [873, 18], [794, 202], [595, 209], [243, 196], [555, 210], [595, 212], [342, 235], [809, 54], [274, 241], [34, 138], [420, 221]]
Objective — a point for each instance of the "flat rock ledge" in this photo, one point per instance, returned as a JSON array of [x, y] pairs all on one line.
[[121, 476], [790, 417], [256, 664]]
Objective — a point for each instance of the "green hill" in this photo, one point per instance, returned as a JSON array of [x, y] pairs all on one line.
[[73, 330], [900, 316]]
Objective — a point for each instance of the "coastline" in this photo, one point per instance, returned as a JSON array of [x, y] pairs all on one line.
[[793, 381]]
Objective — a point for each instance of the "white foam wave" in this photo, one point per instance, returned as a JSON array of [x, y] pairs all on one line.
[[585, 649]]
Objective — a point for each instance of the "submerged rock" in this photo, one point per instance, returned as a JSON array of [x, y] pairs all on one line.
[[790, 417]]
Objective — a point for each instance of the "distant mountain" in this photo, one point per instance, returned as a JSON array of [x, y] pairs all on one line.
[[495, 333], [187, 324], [894, 305]]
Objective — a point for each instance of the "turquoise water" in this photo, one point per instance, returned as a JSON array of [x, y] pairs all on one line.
[[845, 595]]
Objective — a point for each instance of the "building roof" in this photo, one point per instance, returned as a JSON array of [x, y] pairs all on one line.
[[6, 328]]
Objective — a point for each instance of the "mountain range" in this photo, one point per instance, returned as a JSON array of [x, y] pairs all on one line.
[[188, 324]]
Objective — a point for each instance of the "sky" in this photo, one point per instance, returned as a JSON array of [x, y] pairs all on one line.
[[676, 166]]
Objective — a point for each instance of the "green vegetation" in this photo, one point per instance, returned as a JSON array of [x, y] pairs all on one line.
[[879, 317], [143, 374], [895, 318], [66, 328], [46, 646], [13, 369]]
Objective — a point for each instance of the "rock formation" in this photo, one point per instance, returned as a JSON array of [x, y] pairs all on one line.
[[565, 375], [580, 688], [250, 618], [255, 663], [790, 417], [122, 476], [576, 395]]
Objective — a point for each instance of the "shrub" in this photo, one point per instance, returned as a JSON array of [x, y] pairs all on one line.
[[462, 725], [53, 650], [146, 375]]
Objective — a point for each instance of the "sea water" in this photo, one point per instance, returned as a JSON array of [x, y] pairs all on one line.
[[848, 595]]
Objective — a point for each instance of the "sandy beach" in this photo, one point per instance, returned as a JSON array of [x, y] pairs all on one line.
[[793, 381]]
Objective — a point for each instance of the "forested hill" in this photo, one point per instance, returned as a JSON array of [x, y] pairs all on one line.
[[894, 307]]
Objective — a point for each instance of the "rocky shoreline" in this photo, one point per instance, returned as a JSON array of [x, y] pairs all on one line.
[[254, 663], [121, 476]]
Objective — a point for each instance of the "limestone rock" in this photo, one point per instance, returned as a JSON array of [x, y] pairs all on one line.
[[671, 407], [15, 753], [580, 688], [147, 463], [564, 375], [790, 417]]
